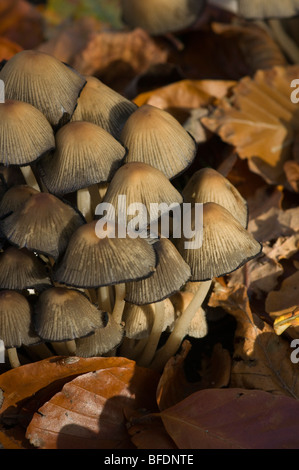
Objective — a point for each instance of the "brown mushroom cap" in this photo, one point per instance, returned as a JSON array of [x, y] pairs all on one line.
[[43, 81], [171, 273], [63, 314], [20, 269], [262, 9], [14, 198], [103, 106], [90, 261], [208, 185], [141, 183], [16, 320], [25, 133], [85, 154], [138, 320], [226, 245], [43, 224], [155, 137], [101, 341], [161, 16]]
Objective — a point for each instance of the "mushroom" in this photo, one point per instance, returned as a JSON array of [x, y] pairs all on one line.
[[63, 314], [14, 198], [161, 16], [171, 273], [226, 245], [16, 324], [198, 327], [154, 136], [143, 187], [85, 155], [103, 106], [93, 259], [21, 269], [103, 341], [25, 136], [208, 185], [43, 224], [45, 82]]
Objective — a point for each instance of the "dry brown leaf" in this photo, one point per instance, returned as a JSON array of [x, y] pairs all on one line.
[[285, 300], [275, 223], [282, 322], [260, 120], [8, 49], [21, 23], [291, 169], [148, 432], [117, 57], [261, 359], [233, 418], [173, 385], [88, 413]]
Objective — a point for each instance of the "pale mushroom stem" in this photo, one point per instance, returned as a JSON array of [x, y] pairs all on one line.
[[104, 299], [84, 204], [154, 337], [119, 305], [180, 328], [30, 177], [71, 347], [13, 357]]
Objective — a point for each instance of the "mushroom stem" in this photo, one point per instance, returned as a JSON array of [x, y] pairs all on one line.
[[180, 328], [104, 300], [286, 43], [71, 347], [153, 340], [13, 357], [30, 177], [84, 204], [120, 292]]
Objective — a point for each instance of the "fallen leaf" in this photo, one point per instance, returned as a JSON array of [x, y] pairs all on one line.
[[258, 114], [291, 169], [275, 223], [233, 418], [173, 385], [261, 359], [117, 57], [282, 322], [284, 301], [8, 49], [148, 432], [88, 413]]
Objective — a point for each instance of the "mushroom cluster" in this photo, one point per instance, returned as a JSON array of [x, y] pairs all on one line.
[[74, 278]]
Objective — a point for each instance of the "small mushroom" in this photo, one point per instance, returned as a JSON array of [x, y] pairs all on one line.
[[45, 82], [208, 185], [92, 260], [154, 136], [161, 16], [43, 224], [103, 106], [63, 314], [14, 198], [16, 327], [85, 155], [25, 136], [198, 327], [20, 269], [226, 245], [138, 183]]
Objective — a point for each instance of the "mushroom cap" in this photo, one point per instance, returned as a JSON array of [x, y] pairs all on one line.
[[16, 320], [43, 81], [85, 154], [63, 314], [226, 244], [161, 16], [14, 198], [43, 224], [20, 269], [103, 106], [140, 183], [90, 261], [25, 133], [101, 341], [171, 273], [262, 9], [155, 137], [208, 185]]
